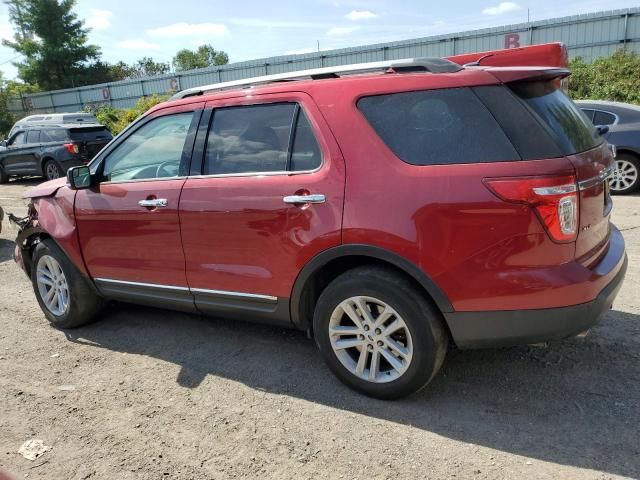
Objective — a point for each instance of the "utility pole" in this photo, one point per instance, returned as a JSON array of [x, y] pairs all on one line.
[[318, 45]]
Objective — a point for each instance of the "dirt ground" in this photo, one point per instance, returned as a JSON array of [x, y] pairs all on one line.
[[162, 395]]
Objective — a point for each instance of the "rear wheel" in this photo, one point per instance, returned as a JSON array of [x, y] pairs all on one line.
[[378, 333], [626, 177], [65, 296], [52, 170]]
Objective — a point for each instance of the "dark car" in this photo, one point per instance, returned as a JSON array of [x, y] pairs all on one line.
[[50, 150], [623, 120]]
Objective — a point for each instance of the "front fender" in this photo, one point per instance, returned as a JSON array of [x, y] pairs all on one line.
[[53, 217]]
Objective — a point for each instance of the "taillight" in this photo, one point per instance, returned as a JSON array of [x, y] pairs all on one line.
[[71, 147], [554, 199]]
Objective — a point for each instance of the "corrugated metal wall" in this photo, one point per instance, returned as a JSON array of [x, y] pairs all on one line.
[[589, 36]]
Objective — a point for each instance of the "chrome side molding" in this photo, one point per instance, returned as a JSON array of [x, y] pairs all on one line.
[[222, 293]]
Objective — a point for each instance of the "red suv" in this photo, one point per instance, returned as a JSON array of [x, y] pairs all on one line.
[[389, 209]]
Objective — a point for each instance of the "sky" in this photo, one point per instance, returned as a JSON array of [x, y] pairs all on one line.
[[250, 29]]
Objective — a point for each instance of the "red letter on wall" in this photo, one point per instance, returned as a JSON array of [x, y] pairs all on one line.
[[512, 40]]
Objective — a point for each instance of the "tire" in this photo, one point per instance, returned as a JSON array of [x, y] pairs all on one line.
[[83, 303], [51, 170], [423, 338], [626, 177], [4, 178]]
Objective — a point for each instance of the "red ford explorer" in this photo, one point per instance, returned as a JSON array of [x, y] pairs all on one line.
[[390, 209]]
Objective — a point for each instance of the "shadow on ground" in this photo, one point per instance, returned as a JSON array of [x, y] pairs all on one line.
[[573, 403]]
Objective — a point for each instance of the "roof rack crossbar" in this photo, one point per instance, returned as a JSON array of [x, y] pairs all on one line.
[[433, 65]]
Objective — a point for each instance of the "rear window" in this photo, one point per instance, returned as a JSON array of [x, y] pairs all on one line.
[[435, 127], [53, 135], [89, 134], [568, 125]]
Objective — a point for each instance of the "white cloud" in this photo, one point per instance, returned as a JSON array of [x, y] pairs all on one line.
[[138, 44], [184, 29], [99, 19], [339, 31], [356, 15], [502, 7]]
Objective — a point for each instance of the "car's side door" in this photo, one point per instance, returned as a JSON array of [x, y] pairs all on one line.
[[128, 222], [12, 156], [31, 153], [267, 197]]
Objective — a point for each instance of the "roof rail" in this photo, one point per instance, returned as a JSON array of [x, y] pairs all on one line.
[[433, 65]]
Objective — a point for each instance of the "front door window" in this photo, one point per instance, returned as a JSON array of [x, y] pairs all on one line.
[[155, 150]]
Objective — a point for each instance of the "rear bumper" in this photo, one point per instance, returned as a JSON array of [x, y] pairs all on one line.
[[517, 327]]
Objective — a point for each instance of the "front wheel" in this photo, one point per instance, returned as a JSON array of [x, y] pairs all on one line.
[[378, 333], [65, 296]]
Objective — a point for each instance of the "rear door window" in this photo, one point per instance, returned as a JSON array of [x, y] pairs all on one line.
[[569, 126], [33, 136], [275, 137], [438, 127]]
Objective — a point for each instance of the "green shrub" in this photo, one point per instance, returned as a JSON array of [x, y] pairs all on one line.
[[116, 119], [614, 78]]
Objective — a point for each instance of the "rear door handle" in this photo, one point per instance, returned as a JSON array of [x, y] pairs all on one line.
[[153, 203], [311, 198]]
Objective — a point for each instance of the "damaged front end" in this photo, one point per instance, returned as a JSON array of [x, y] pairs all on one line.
[[27, 227]]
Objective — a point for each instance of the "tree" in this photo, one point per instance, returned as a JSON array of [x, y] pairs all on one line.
[[203, 56], [52, 41], [614, 78], [147, 67]]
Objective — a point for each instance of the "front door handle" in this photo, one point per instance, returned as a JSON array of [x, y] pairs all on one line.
[[153, 203], [311, 198]]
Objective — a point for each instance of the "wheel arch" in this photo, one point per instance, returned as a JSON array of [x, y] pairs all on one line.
[[43, 160], [628, 150], [327, 265]]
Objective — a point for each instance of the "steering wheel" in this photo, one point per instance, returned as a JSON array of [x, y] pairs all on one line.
[[162, 167]]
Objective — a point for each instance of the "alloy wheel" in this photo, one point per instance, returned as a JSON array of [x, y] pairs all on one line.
[[52, 171], [52, 285], [624, 176], [370, 339]]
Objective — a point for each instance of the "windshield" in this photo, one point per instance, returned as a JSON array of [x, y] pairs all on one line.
[[568, 125]]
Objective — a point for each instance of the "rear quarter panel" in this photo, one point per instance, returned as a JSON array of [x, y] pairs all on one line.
[[442, 217]]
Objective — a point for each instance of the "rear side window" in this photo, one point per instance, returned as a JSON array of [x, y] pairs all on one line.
[[435, 127], [54, 135], [89, 134], [33, 136], [604, 118], [273, 137], [569, 126]]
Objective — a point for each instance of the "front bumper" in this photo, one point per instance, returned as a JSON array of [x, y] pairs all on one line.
[[518, 327]]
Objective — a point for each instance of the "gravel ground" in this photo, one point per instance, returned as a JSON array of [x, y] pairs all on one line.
[[155, 394]]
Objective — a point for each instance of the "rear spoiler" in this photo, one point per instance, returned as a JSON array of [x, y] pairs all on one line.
[[547, 55]]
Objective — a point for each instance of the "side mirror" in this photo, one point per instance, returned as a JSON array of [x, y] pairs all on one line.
[[3, 143], [602, 129], [79, 177]]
